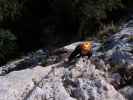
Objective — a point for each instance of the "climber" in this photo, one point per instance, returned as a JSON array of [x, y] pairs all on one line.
[[83, 49]]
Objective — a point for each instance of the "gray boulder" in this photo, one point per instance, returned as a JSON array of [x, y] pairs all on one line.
[[127, 92], [31, 60], [79, 81], [119, 47]]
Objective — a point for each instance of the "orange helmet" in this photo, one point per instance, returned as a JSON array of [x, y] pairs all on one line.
[[86, 47]]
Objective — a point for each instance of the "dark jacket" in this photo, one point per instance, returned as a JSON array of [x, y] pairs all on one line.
[[77, 53]]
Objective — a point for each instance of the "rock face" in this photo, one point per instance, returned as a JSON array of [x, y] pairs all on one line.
[[107, 75], [29, 61], [80, 81], [119, 48], [15, 83], [127, 92]]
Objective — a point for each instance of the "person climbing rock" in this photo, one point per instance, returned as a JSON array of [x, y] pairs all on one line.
[[83, 49]]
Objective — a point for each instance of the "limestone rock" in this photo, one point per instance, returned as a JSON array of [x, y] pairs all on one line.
[[127, 92]]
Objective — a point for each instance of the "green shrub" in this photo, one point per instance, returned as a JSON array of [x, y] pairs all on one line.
[[107, 30], [130, 38], [9, 9], [97, 8], [93, 12], [8, 46]]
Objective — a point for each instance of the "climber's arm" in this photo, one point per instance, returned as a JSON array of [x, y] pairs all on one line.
[[74, 53], [90, 54]]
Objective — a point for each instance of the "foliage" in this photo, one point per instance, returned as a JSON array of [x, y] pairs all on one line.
[[130, 38], [9, 9], [97, 8], [93, 12], [8, 46], [106, 31]]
